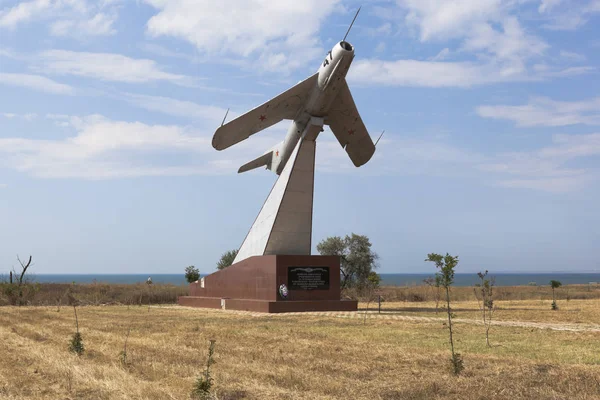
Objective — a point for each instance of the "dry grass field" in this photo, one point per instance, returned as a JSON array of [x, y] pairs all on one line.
[[401, 353]]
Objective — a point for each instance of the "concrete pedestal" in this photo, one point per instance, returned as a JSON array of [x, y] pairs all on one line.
[[253, 284]]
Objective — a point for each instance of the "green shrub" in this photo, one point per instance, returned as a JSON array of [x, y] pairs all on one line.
[[76, 345]]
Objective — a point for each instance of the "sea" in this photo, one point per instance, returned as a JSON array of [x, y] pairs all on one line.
[[501, 279]]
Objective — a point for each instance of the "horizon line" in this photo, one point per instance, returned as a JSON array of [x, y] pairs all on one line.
[[380, 273]]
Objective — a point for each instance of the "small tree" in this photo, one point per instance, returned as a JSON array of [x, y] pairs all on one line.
[[357, 262], [484, 293], [368, 291], [76, 345], [445, 265], [205, 381], [192, 274], [226, 259], [554, 285]]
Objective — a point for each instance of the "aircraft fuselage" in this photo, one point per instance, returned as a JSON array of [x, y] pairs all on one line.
[[333, 70]]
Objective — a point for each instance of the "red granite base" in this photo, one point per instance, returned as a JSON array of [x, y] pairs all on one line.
[[252, 285], [269, 306]]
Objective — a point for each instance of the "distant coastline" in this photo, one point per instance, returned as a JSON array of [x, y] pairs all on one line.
[[503, 279]]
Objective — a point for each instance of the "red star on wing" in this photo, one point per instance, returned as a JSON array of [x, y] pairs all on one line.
[[351, 132], [277, 153], [262, 117]]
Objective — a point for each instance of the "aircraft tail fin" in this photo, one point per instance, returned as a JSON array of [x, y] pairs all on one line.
[[264, 160]]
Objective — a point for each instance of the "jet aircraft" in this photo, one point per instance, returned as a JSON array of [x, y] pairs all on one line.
[[323, 95]]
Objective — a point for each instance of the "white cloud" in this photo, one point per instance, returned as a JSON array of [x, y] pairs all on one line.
[[9, 54], [22, 12], [3, 185], [266, 33], [178, 108], [542, 111], [512, 46], [100, 24], [566, 72], [448, 73], [548, 5], [573, 146], [442, 55], [491, 43], [70, 17], [107, 67], [548, 168], [424, 73], [486, 27], [102, 148], [36, 82], [565, 15], [26, 117], [162, 51], [572, 56], [447, 19]]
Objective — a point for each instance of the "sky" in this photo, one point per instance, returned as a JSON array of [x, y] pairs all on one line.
[[491, 112]]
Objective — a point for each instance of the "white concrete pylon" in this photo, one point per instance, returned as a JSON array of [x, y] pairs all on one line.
[[284, 223]]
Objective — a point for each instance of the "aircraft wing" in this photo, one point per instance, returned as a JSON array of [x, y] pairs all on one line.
[[349, 129], [284, 106]]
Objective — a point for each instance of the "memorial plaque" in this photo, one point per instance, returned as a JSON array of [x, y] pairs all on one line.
[[308, 278]]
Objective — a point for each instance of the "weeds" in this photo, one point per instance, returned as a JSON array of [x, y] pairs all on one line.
[[69, 376], [203, 385], [123, 353]]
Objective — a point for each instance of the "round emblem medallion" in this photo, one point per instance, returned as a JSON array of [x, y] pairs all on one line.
[[283, 291]]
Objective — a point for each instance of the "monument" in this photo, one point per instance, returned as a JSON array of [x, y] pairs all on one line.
[[274, 270]]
